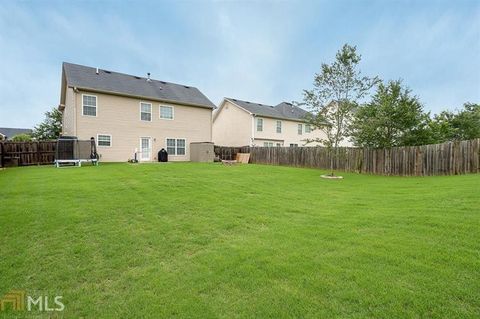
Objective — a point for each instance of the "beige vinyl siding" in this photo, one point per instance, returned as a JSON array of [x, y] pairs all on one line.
[[289, 134], [119, 117], [232, 126], [68, 119]]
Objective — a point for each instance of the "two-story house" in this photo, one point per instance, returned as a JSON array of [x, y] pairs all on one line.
[[242, 123], [129, 114]]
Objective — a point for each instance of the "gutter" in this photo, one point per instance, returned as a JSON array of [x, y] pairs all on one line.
[[142, 97]]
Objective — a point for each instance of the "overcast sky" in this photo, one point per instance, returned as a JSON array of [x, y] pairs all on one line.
[[262, 51]]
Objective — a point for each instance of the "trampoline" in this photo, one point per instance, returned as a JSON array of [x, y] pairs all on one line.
[[72, 151]]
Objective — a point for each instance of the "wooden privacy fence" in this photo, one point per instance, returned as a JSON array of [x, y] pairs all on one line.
[[229, 153], [449, 158], [27, 153]]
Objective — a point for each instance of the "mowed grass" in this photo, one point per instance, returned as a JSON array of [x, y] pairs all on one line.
[[208, 241]]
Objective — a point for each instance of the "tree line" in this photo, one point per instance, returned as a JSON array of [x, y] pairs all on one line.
[[374, 113]]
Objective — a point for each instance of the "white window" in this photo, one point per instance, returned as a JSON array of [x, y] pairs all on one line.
[[300, 129], [146, 111], [176, 146], [308, 128], [268, 144], [166, 112], [293, 145], [279, 126], [104, 140], [279, 144], [259, 125], [89, 105]]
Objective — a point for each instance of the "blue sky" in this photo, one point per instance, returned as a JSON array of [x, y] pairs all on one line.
[[261, 51]]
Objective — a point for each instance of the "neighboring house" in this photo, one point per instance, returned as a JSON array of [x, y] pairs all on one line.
[[6, 133], [241, 123], [127, 113]]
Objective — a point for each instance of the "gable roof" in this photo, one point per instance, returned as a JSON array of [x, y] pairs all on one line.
[[284, 110], [9, 132], [84, 77]]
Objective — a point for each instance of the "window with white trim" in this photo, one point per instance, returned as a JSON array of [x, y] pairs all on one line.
[[279, 126], [268, 144], [293, 145], [300, 129], [89, 105], [279, 144], [146, 112], [166, 112], [259, 125], [104, 140], [176, 146], [308, 128]]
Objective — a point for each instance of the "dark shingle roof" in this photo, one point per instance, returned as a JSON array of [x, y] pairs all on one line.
[[86, 77], [283, 110], [11, 132]]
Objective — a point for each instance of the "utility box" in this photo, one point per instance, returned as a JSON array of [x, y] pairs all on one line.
[[201, 152]]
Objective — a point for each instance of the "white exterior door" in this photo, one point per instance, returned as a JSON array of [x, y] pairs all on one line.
[[145, 149]]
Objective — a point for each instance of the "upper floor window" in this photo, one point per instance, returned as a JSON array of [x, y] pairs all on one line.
[[259, 125], [104, 140], [279, 126], [145, 111], [308, 128], [89, 105], [300, 129], [166, 112]]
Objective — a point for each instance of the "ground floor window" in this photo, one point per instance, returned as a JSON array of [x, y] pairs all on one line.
[[104, 140], [267, 144], [293, 145], [176, 146]]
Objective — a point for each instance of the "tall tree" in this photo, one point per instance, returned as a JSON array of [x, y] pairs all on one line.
[[51, 127], [392, 118], [336, 92]]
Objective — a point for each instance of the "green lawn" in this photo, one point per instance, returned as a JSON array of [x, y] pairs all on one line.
[[208, 241]]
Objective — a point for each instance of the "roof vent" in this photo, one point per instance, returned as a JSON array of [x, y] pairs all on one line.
[[247, 102], [160, 88], [163, 82], [137, 77], [148, 77], [107, 71], [96, 71], [187, 87]]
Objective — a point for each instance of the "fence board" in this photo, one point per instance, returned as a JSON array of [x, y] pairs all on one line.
[[449, 158], [27, 153]]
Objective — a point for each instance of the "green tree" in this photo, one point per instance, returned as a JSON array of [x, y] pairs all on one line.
[[392, 118], [463, 125], [336, 92], [22, 138], [51, 127]]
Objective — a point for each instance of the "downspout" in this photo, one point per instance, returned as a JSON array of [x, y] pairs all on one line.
[[75, 91], [253, 130]]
